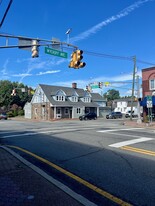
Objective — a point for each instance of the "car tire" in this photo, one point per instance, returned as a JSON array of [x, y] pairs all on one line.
[[107, 117]]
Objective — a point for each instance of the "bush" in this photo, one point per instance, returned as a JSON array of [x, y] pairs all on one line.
[[146, 119], [15, 113], [10, 114], [21, 112]]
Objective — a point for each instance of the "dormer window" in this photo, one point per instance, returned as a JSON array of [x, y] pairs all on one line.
[[60, 98], [74, 99], [87, 99]]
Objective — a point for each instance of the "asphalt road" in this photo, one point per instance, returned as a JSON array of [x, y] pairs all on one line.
[[107, 162]]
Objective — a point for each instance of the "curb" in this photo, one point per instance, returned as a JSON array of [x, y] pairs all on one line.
[[55, 182]]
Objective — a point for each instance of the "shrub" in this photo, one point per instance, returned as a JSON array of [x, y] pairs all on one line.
[[21, 112], [10, 114], [146, 119]]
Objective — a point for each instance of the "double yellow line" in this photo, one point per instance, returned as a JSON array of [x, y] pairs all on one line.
[[78, 179], [142, 151]]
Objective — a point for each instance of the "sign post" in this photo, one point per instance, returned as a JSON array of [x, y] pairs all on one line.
[[55, 52], [149, 101], [149, 106]]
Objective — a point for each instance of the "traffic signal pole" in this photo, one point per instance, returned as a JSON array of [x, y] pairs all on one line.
[[41, 42]]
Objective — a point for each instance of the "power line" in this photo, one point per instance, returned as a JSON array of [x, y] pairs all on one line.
[[114, 56], [117, 57], [6, 12], [109, 56]]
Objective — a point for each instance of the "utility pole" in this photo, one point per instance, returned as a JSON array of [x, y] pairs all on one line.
[[138, 103], [133, 86]]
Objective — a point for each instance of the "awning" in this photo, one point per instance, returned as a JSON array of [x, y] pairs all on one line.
[[144, 101]]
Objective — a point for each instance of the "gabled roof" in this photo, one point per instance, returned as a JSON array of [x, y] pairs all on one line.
[[69, 91], [51, 91], [97, 97], [128, 99]]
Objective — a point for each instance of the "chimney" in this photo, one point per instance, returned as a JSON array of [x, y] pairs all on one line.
[[74, 85]]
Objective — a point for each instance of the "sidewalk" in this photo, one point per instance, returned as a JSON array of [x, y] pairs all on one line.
[[22, 186], [134, 123]]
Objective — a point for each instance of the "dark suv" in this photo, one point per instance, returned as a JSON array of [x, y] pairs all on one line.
[[90, 115], [3, 116], [114, 115]]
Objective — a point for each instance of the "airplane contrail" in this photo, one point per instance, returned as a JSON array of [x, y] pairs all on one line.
[[121, 14]]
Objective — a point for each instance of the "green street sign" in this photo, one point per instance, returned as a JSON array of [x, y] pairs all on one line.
[[149, 98], [55, 52], [94, 86]]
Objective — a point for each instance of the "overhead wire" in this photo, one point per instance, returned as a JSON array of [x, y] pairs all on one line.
[[113, 56], [5, 14]]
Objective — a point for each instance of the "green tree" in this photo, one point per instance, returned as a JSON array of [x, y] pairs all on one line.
[[21, 97], [5, 93], [111, 94]]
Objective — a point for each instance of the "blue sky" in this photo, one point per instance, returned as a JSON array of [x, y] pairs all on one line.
[[122, 28]]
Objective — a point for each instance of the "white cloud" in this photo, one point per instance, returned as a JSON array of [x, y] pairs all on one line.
[[48, 72], [122, 83], [34, 64], [96, 28], [4, 70], [21, 75]]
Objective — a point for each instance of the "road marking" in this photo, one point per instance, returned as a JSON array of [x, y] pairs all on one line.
[[78, 179], [142, 151], [129, 142], [25, 134], [46, 132], [115, 130], [58, 184]]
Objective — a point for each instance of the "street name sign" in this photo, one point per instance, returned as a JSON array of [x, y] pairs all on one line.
[[149, 102], [149, 98], [94, 86], [55, 52], [106, 84]]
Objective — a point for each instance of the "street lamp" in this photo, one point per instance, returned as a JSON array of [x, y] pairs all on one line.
[[67, 33]]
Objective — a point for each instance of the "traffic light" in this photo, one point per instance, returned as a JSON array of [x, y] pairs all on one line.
[[79, 57], [73, 60], [13, 92], [88, 88], [35, 50], [76, 57], [100, 85]]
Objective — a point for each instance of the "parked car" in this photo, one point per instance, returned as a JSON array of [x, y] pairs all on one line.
[[114, 115], [90, 115], [3, 116], [128, 114]]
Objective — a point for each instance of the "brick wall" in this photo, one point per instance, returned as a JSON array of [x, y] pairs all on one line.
[[147, 74], [41, 111]]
